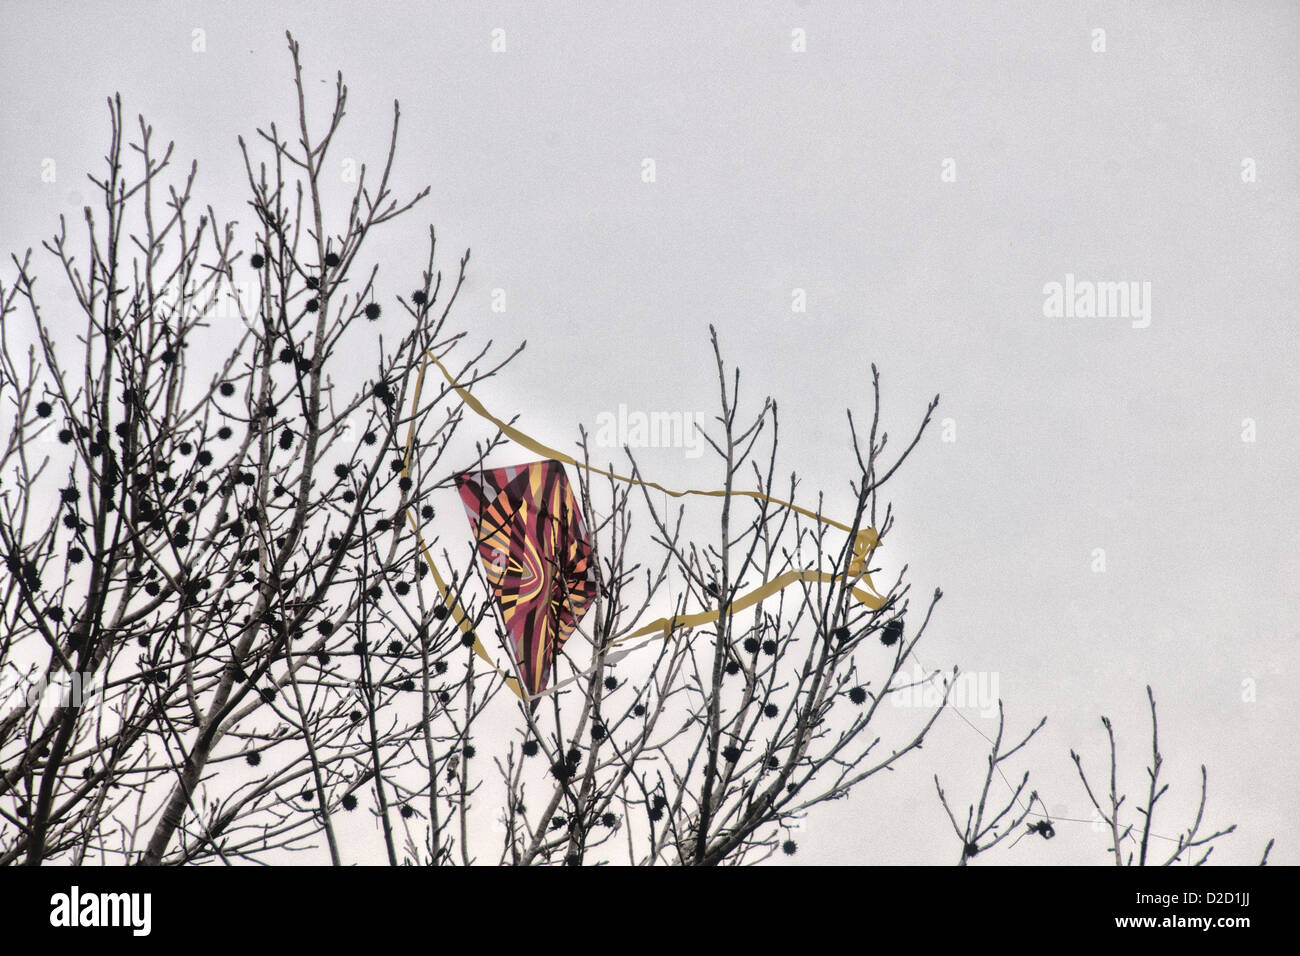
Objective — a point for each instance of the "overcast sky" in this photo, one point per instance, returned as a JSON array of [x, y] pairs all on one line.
[[924, 173]]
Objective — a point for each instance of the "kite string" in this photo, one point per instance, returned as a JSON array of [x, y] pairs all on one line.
[[1046, 813]]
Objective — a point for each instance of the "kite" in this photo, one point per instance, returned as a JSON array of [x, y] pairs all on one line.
[[537, 557], [534, 546]]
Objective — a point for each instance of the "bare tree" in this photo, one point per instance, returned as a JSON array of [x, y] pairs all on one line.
[[985, 829], [222, 568], [1132, 846], [738, 725]]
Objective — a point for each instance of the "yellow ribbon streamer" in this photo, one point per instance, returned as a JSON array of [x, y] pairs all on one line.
[[865, 540]]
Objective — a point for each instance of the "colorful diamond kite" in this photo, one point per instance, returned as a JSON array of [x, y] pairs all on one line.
[[537, 557]]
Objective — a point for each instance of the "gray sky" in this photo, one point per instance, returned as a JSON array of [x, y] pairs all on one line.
[[823, 170]]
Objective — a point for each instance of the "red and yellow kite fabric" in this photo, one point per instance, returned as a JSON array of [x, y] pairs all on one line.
[[537, 557]]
